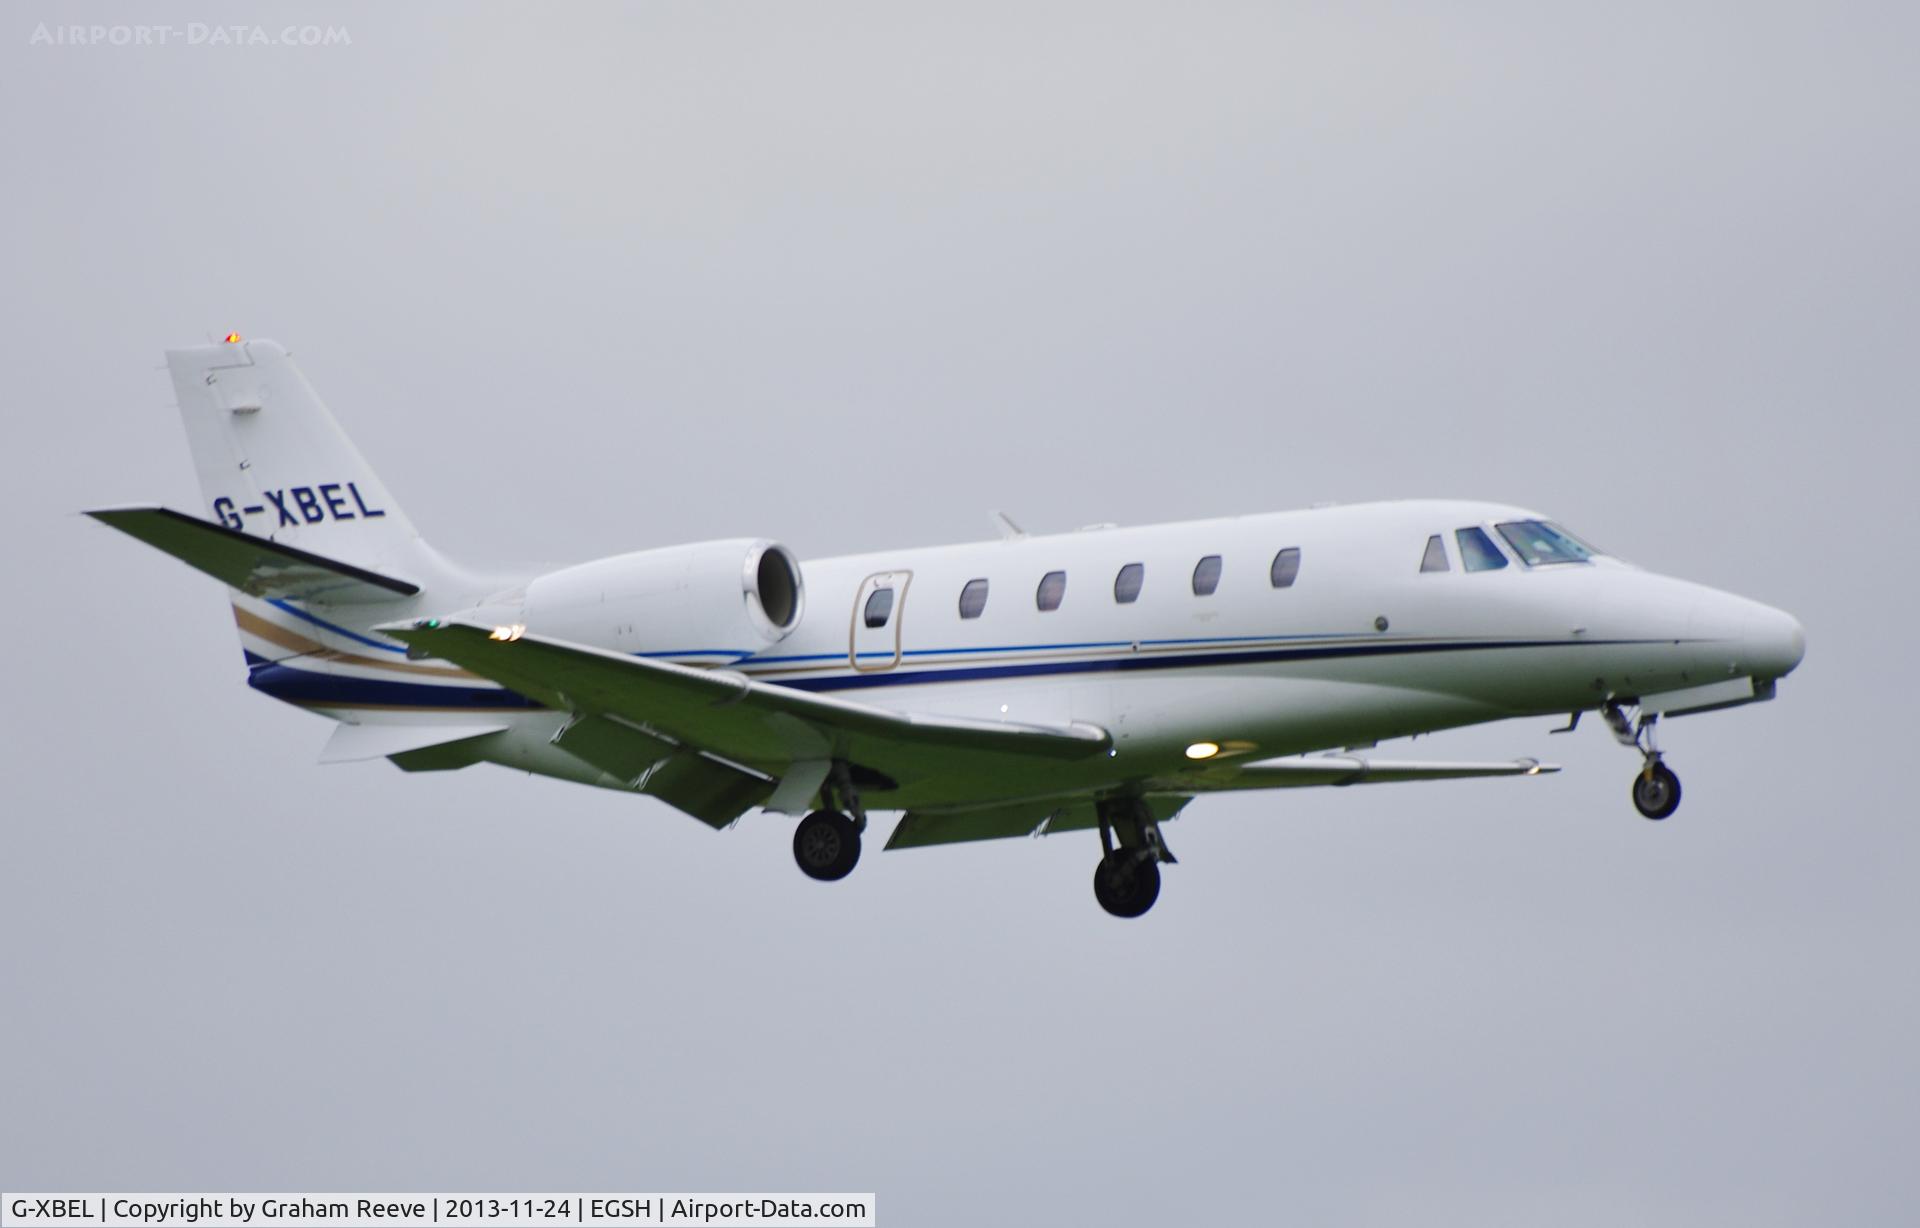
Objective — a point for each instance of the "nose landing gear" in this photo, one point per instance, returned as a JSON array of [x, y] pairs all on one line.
[[1656, 790]]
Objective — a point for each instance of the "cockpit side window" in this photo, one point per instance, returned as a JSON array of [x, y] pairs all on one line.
[[1435, 559], [1539, 543], [1477, 551]]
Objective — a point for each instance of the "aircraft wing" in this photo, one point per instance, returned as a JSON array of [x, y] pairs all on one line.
[[1165, 797], [725, 740], [253, 564]]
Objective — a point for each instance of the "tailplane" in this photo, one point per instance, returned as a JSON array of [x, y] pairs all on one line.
[[254, 566]]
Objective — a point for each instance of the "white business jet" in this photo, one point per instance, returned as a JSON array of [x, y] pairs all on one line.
[[1035, 684]]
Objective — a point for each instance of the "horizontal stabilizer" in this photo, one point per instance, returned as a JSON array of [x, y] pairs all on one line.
[[351, 743], [254, 565]]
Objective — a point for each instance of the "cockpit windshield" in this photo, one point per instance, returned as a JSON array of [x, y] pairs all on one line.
[[1538, 543]]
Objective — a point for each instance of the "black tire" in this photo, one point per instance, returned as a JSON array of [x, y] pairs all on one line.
[[1656, 792], [826, 846], [1125, 883]]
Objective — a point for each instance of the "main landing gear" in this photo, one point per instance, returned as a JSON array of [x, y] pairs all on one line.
[[1127, 880], [1656, 790], [826, 845]]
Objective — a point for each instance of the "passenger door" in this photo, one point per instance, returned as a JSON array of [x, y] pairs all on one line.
[[873, 643]]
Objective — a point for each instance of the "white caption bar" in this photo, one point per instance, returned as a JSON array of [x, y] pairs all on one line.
[[437, 1210]]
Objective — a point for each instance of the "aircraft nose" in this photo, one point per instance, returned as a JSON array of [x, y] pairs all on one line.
[[1756, 640], [1775, 642]]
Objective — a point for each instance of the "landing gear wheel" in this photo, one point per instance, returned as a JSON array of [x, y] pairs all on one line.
[[826, 845], [1126, 883], [1656, 791]]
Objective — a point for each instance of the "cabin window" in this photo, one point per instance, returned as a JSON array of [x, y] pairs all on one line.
[[1538, 543], [1126, 585], [1206, 576], [1053, 586], [1435, 559], [973, 599], [1286, 567], [879, 607], [1477, 551]]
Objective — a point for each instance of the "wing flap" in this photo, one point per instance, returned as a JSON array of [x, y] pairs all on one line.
[[618, 749], [713, 792], [716, 793], [254, 565]]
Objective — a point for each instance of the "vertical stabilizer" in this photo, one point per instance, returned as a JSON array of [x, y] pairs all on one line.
[[313, 549], [273, 463]]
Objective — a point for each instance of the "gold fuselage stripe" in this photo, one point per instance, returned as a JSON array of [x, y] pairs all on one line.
[[293, 641]]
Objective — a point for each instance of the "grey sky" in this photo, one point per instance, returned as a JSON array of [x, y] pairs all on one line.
[[590, 280]]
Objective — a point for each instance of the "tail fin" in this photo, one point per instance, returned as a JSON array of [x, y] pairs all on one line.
[[310, 543], [273, 463]]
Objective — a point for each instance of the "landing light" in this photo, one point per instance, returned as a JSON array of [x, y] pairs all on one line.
[[1203, 750], [508, 634]]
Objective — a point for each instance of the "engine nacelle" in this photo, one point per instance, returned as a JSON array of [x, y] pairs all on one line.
[[710, 599]]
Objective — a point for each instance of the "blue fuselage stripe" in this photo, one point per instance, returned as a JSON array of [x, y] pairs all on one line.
[[290, 608], [838, 682]]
